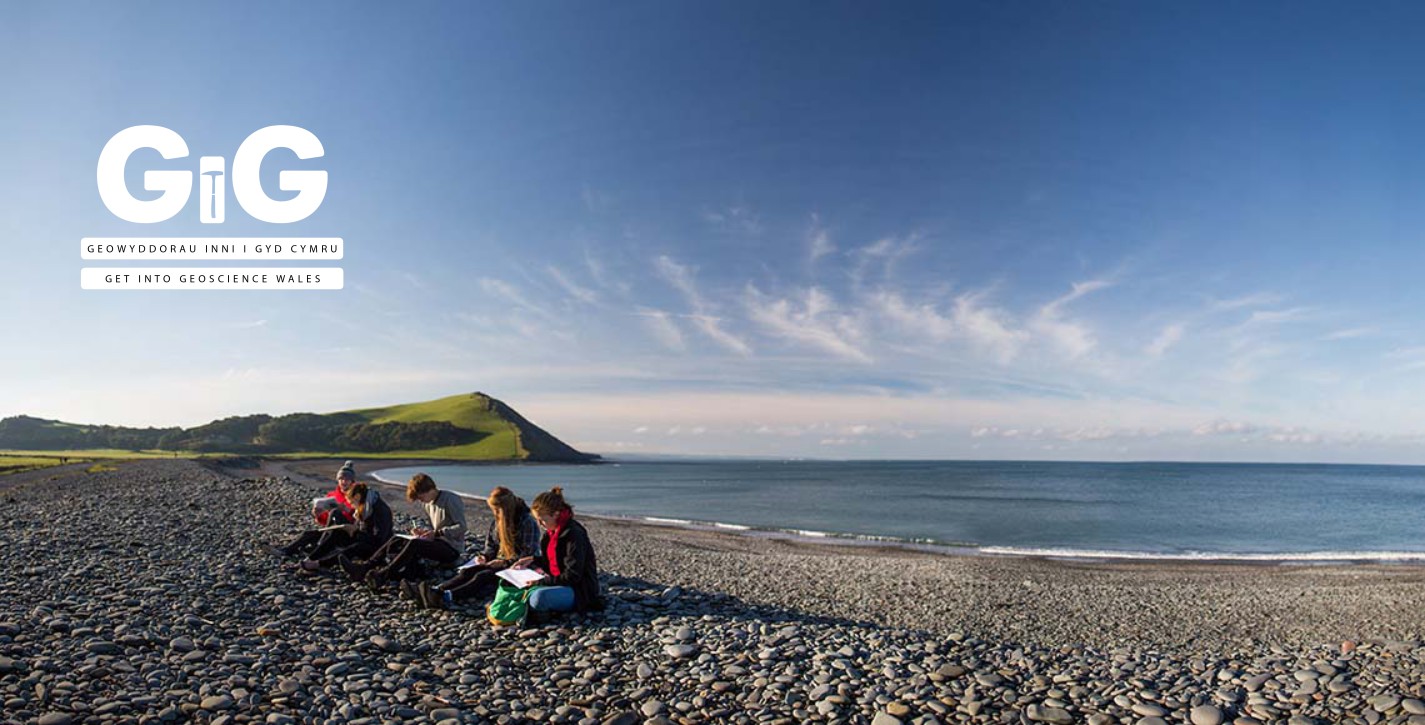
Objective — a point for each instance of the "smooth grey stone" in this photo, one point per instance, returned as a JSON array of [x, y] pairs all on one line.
[[1205, 715], [680, 651], [217, 702]]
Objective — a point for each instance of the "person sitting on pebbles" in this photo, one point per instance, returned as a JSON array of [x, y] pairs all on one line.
[[565, 556], [372, 527], [333, 509], [513, 534], [403, 556]]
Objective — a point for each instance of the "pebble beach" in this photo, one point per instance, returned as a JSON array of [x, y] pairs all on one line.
[[144, 595]]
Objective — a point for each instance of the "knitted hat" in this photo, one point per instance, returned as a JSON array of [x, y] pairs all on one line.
[[347, 470]]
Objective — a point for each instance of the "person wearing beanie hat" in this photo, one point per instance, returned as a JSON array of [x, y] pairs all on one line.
[[333, 509]]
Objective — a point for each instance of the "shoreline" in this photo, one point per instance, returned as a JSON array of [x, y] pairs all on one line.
[[1413, 559]]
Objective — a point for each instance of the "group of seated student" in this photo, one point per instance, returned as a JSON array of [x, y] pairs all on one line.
[[355, 532]]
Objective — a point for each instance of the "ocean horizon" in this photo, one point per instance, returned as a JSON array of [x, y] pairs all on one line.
[[1270, 512]]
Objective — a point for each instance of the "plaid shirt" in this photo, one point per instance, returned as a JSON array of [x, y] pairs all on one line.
[[526, 539]]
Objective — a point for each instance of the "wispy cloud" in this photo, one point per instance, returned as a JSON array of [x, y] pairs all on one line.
[[712, 327], [661, 325], [986, 328], [1072, 337], [681, 278], [1278, 317], [1351, 333], [1170, 336], [248, 325], [818, 240], [738, 218], [583, 294], [814, 322], [1256, 299], [512, 295], [882, 255]]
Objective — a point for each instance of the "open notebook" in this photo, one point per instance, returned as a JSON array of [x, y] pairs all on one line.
[[520, 577]]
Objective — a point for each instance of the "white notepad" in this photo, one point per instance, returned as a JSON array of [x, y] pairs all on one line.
[[520, 577]]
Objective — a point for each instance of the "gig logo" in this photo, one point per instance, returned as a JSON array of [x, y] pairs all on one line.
[[176, 187]]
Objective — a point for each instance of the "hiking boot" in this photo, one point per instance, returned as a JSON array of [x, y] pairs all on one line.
[[357, 572], [431, 597], [376, 580], [411, 592]]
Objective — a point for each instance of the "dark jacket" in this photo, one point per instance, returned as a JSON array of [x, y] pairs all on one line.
[[378, 525], [577, 568], [527, 536]]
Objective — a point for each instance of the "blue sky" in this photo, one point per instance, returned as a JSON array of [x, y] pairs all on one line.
[[990, 230]]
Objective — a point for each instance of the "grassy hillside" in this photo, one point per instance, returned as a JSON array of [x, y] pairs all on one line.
[[469, 427], [473, 411]]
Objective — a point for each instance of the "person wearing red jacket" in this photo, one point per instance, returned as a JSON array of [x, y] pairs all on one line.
[[334, 509]]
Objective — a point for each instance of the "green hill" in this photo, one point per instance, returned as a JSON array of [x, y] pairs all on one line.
[[461, 427]]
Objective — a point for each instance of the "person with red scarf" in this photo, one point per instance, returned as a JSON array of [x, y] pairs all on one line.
[[571, 581], [330, 511]]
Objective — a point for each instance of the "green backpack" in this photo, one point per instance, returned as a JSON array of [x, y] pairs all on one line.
[[510, 605]]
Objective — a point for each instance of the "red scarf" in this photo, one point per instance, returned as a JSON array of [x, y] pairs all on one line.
[[551, 552]]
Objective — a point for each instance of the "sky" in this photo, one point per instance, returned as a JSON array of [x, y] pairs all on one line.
[[1015, 230]]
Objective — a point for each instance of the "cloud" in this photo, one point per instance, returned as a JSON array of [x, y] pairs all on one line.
[[1170, 336], [508, 292], [736, 218], [583, 294], [818, 240], [248, 325], [661, 325], [986, 328], [1224, 427], [1076, 290], [680, 277], [712, 327], [920, 320], [814, 322], [1074, 338], [1352, 333], [1257, 299], [1277, 317], [886, 252]]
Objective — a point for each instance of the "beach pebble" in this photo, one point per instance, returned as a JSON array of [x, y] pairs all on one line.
[[217, 702], [1148, 710], [1205, 715]]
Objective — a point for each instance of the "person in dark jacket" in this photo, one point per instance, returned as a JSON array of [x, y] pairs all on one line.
[[566, 557], [513, 534], [331, 510], [404, 555], [372, 528]]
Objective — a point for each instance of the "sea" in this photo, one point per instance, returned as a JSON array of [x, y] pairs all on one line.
[[1208, 511]]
